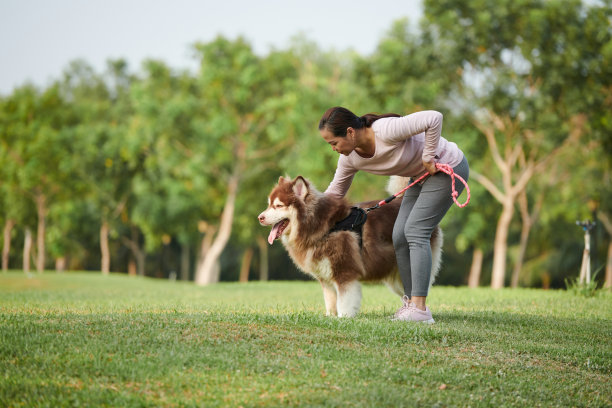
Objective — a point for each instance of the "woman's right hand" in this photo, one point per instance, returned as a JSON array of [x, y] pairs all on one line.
[[430, 166]]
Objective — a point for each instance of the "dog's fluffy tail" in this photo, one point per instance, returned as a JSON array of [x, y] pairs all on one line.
[[395, 184], [436, 253]]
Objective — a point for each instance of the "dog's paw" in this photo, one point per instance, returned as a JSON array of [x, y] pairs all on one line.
[[348, 313]]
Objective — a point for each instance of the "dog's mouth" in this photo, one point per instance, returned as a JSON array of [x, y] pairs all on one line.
[[277, 230]]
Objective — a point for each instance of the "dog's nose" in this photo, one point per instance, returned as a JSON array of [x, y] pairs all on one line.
[[261, 217]]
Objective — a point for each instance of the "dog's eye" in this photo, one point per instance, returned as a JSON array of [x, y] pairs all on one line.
[[278, 206]]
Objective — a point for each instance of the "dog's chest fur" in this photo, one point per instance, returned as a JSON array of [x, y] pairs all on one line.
[[309, 260]]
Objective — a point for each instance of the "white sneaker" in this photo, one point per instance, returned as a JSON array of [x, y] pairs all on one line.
[[410, 313]]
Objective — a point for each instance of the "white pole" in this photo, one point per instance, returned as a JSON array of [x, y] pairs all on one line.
[[587, 251], [585, 267]]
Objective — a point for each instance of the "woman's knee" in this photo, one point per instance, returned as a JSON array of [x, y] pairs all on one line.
[[417, 235], [399, 239]]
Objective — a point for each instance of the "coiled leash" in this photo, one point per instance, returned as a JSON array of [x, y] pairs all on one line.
[[444, 168]]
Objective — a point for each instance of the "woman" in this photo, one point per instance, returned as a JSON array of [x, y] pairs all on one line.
[[405, 146]]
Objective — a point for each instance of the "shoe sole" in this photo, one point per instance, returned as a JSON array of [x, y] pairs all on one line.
[[430, 321]]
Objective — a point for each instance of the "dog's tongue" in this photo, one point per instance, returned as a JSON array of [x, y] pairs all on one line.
[[274, 233]]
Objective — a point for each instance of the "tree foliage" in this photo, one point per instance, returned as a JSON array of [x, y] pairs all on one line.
[[114, 169]]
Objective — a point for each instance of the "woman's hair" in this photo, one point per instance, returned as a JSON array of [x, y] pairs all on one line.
[[338, 119]]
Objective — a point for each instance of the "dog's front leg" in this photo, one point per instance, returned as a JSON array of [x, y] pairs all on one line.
[[329, 295], [349, 298]]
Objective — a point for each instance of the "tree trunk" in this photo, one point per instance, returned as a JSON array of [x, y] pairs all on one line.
[[104, 251], [501, 246], [41, 208], [6, 248], [185, 255], [27, 249], [208, 272], [476, 269], [132, 269], [246, 265], [60, 264], [528, 220], [607, 223], [208, 233], [608, 282], [138, 253], [516, 272], [263, 258], [140, 261]]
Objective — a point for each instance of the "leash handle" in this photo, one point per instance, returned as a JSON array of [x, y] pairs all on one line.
[[445, 168]]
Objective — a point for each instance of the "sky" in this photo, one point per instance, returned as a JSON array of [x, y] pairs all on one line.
[[38, 38]]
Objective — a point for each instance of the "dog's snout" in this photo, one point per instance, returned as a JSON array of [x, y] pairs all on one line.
[[261, 217]]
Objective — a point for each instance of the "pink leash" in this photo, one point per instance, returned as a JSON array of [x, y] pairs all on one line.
[[444, 168]]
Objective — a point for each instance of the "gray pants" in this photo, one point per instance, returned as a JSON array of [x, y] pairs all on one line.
[[423, 207]]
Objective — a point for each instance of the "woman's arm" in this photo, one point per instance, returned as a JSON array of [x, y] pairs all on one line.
[[343, 178], [429, 122]]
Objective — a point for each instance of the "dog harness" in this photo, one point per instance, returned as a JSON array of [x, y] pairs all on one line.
[[354, 222]]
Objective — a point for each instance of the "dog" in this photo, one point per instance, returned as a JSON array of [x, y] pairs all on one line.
[[304, 219]]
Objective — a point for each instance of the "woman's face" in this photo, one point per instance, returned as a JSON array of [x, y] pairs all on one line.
[[342, 145]]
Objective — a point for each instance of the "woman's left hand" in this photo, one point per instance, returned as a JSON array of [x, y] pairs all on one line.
[[430, 166]]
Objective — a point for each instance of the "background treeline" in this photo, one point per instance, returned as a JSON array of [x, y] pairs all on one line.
[[161, 172]]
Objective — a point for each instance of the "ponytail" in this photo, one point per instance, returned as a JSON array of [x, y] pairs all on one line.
[[370, 118], [338, 119]]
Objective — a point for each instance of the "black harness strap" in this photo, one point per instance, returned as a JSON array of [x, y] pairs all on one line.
[[354, 222]]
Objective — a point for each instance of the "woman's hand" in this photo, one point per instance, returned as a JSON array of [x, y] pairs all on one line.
[[430, 166]]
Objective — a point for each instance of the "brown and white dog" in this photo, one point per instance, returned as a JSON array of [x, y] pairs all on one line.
[[303, 217]]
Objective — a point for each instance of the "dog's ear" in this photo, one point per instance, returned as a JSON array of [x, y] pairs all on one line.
[[300, 187], [283, 180]]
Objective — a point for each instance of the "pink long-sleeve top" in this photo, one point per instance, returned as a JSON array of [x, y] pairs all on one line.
[[402, 144]]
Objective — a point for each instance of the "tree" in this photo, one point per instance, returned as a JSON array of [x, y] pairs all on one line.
[[169, 188], [100, 160], [35, 147], [521, 84], [243, 96]]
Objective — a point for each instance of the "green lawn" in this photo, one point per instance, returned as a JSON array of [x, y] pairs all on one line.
[[81, 339]]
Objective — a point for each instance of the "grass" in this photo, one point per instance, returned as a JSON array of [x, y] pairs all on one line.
[[81, 339]]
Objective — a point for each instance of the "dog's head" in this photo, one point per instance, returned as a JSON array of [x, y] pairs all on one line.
[[282, 202]]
